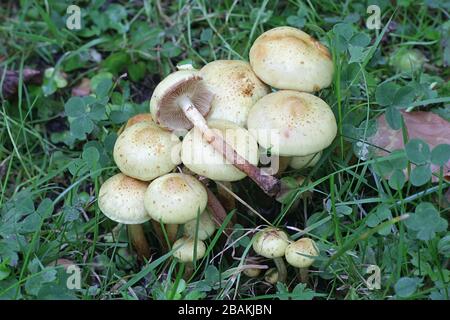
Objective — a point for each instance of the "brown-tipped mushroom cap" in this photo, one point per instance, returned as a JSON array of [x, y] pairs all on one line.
[[141, 117], [288, 58], [301, 253], [145, 151], [200, 157], [121, 199], [270, 242], [292, 123], [178, 85], [185, 248], [236, 89], [175, 198]]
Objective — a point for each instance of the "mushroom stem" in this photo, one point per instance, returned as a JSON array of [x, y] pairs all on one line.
[[138, 240], [227, 199], [218, 212], [266, 182], [171, 232], [303, 273], [188, 270], [281, 267]]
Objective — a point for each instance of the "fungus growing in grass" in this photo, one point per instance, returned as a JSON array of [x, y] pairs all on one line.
[[175, 199], [206, 227], [252, 272], [271, 276], [292, 123], [181, 101], [121, 199], [305, 161], [236, 89], [188, 250], [271, 243], [200, 157], [145, 151], [141, 117], [301, 254], [288, 58]]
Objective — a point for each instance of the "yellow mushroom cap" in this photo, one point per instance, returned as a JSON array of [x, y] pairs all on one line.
[[185, 249], [141, 117], [206, 227], [271, 242], [200, 157], [175, 198], [301, 252], [236, 89], [182, 83], [252, 272], [271, 276], [288, 58], [292, 123], [305, 161], [145, 151], [121, 199]]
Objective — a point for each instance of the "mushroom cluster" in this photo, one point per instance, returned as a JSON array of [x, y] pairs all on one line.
[[210, 125]]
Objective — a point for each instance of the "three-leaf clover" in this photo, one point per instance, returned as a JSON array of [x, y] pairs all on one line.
[[426, 221]]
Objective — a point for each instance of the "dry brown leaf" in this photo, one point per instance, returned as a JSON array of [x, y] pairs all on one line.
[[83, 89], [426, 126], [11, 80]]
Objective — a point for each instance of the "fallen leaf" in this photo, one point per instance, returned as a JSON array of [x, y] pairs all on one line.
[[426, 126], [11, 80], [83, 89]]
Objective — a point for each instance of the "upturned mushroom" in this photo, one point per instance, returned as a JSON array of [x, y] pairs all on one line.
[[288, 58], [271, 243], [200, 157], [145, 151], [301, 254], [175, 199], [181, 101], [121, 199], [202, 228], [292, 123], [235, 87]]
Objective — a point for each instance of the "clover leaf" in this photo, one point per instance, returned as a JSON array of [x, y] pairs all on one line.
[[426, 221]]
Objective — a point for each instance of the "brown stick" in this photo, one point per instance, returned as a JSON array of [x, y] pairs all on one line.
[[138, 241], [218, 212], [266, 182]]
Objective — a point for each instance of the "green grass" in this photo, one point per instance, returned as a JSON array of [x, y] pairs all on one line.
[[51, 170]]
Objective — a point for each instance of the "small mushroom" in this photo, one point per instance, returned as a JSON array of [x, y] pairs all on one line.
[[181, 101], [144, 151], [292, 123], [174, 199], [236, 89], [301, 254], [121, 199], [288, 58], [271, 243], [206, 227], [252, 272], [200, 157], [188, 250], [272, 276], [305, 161]]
